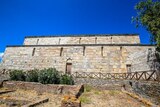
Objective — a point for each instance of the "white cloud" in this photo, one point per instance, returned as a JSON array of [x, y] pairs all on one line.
[[1, 55]]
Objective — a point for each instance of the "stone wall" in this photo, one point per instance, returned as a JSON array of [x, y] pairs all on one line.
[[140, 60], [149, 90], [83, 39], [75, 90], [106, 58], [102, 84], [145, 60]]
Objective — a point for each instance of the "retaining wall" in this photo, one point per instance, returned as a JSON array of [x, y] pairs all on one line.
[[75, 90], [149, 90], [146, 89]]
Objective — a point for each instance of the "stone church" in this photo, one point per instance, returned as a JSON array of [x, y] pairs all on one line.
[[111, 53]]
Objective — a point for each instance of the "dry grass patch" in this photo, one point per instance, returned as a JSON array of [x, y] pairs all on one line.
[[31, 95], [107, 98]]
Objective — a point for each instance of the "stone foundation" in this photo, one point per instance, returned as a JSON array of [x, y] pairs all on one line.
[[149, 90], [75, 90], [146, 89]]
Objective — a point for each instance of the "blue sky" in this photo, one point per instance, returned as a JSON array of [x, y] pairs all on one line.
[[20, 18]]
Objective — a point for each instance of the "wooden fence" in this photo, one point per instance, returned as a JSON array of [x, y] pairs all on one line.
[[140, 75]]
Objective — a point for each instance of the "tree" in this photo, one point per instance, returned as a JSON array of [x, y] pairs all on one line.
[[148, 16]]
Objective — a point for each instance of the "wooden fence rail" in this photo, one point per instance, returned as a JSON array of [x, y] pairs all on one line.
[[140, 75]]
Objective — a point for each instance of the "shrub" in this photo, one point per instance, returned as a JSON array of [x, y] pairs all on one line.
[[66, 79], [17, 75], [45, 76], [49, 76], [32, 76]]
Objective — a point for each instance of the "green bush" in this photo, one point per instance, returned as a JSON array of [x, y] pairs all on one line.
[[32, 76], [66, 79], [45, 76], [49, 76], [17, 75]]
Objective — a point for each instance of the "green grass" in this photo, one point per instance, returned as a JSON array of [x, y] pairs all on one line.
[[97, 92], [113, 92], [84, 99], [88, 88]]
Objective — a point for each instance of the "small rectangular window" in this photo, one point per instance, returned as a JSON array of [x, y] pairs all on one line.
[[59, 41], [111, 40], [61, 51], [33, 52], [84, 48], [79, 40], [37, 41], [102, 51], [128, 68], [96, 40], [68, 68], [120, 48]]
